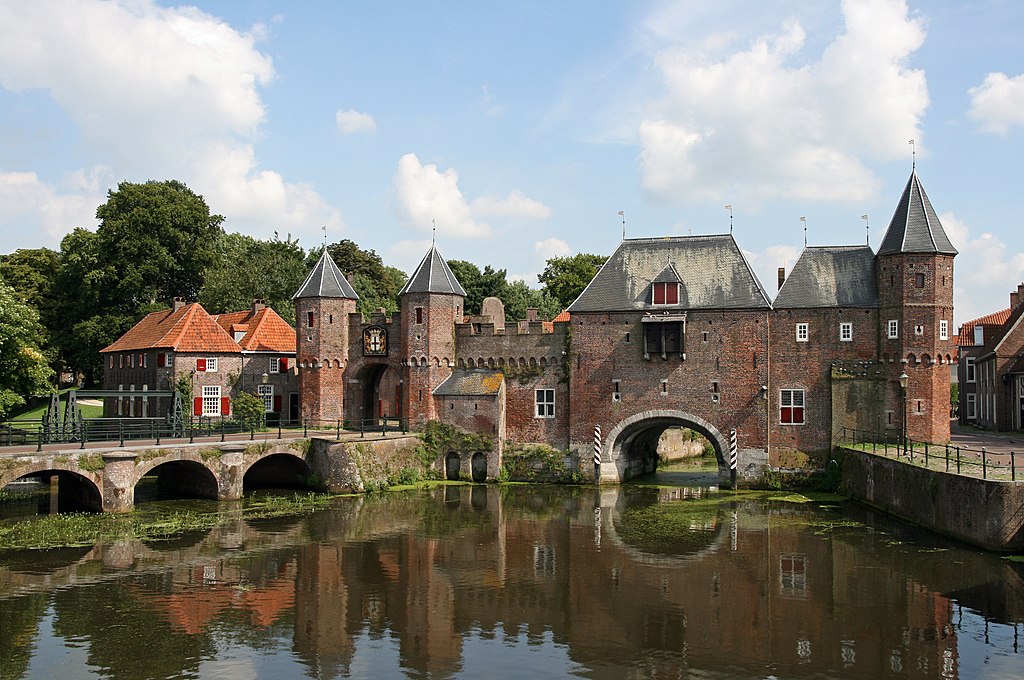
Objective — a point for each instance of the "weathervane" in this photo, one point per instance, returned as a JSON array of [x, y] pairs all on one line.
[[622, 214], [325, 236], [729, 208], [913, 154], [867, 228], [804, 220], [433, 231]]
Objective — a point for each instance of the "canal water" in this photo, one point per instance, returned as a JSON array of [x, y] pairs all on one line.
[[484, 581]]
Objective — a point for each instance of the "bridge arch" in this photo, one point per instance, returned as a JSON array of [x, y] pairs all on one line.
[[76, 489], [630, 447], [179, 476], [277, 469]]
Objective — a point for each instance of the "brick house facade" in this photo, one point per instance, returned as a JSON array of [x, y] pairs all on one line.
[[223, 355], [992, 368], [673, 331]]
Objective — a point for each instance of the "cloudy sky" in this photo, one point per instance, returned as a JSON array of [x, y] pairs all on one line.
[[522, 129]]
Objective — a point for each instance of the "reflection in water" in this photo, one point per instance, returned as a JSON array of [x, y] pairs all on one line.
[[484, 581]]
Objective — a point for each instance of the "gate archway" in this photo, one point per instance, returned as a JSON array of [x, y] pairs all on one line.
[[631, 447], [379, 395]]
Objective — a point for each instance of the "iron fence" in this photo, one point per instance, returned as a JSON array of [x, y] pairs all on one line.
[[948, 457]]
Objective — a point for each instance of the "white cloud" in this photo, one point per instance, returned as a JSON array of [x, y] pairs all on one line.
[[515, 204], [56, 210], [425, 195], [551, 247], [767, 262], [998, 103], [158, 92], [767, 122], [984, 272], [351, 121]]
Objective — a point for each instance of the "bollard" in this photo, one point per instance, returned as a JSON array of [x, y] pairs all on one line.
[[120, 432], [926, 454], [222, 429], [337, 430], [984, 464], [947, 457], [305, 428], [383, 427], [279, 428], [1013, 466]]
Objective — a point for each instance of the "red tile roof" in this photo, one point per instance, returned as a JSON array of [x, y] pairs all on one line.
[[965, 338], [188, 329], [265, 330], [564, 316]]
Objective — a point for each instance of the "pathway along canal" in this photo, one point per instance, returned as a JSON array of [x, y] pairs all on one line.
[[485, 581]]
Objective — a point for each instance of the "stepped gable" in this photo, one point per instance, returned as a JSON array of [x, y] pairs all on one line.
[[187, 329], [711, 271], [830, 276], [265, 330], [433, 275], [327, 281], [915, 227], [465, 382]]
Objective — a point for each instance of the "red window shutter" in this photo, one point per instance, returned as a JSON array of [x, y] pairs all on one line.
[[197, 406], [798, 415], [284, 365], [659, 293], [161, 360], [225, 406], [277, 403], [786, 417], [201, 365], [671, 293]]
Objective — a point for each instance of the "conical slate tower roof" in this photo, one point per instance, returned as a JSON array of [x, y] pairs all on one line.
[[327, 281], [433, 276], [915, 228]]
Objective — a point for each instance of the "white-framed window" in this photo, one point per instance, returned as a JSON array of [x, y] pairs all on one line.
[[211, 400], [801, 332], [969, 373], [943, 330], [275, 364], [972, 406], [791, 407], [894, 329], [846, 331], [664, 293], [206, 365], [544, 400], [266, 393]]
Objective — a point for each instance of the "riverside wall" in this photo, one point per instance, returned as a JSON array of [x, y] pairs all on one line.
[[985, 513]]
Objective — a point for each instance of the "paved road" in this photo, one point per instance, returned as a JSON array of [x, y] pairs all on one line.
[[994, 442]]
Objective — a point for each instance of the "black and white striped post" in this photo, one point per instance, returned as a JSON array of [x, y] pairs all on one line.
[[732, 457], [597, 454]]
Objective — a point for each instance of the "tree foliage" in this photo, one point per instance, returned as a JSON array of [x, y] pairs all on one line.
[[23, 368], [564, 278], [478, 284]]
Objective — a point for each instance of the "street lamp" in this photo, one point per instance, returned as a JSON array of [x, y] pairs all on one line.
[[903, 389]]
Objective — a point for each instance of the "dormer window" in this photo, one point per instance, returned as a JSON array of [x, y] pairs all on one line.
[[664, 293]]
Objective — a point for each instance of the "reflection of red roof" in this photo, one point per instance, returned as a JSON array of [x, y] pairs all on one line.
[[966, 336], [264, 330], [187, 329], [564, 316]]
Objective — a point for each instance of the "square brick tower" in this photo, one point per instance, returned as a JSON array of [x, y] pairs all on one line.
[[915, 289], [432, 303], [322, 307]]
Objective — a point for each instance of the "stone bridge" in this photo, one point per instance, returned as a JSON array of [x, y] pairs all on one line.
[[105, 479]]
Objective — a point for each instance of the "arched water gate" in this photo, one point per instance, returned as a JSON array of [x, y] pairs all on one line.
[[631, 447]]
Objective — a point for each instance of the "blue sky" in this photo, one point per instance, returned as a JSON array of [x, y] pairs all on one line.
[[522, 129]]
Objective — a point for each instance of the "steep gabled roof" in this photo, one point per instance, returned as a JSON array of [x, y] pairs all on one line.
[[187, 329], [915, 227], [470, 382], [830, 276], [711, 270], [326, 280], [966, 336], [265, 330], [433, 275]]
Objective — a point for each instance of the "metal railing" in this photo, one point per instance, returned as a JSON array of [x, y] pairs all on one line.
[[38, 433], [948, 457]]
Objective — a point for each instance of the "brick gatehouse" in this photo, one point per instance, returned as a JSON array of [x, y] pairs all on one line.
[[673, 331]]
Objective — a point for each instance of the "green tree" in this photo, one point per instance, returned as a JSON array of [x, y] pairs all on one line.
[[23, 368], [564, 278], [376, 284], [249, 409], [478, 284], [247, 268], [31, 273]]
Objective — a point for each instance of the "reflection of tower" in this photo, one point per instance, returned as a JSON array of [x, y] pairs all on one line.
[[321, 611], [431, 306], [915, 288], [322, 306]]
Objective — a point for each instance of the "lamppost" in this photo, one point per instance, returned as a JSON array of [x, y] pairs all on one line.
[[903, 421]]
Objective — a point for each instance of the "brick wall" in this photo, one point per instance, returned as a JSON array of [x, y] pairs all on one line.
[[322, 353]]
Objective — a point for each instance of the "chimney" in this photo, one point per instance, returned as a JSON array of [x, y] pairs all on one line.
[[258, 304], [782, 276], [177, 304], [1017, 297], [531, 314]]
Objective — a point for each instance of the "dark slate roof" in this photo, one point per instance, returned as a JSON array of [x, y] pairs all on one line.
[[433, 276], [915, 227], [711, 270], [668, 275], [326, 280], [831, 276], [474, 382]]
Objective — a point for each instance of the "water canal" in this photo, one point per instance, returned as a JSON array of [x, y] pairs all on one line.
[[485, 581]]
